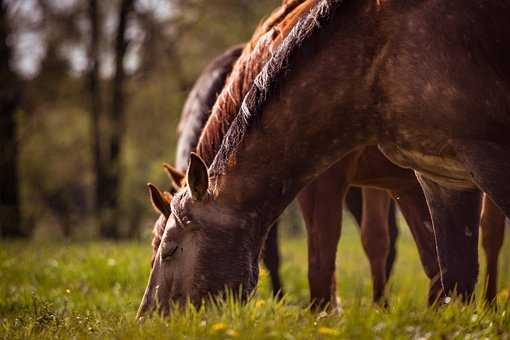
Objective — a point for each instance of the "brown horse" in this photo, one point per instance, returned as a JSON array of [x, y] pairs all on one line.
[[195, 113], [378, 205], [194, 116], [364, 86], [321, 226]]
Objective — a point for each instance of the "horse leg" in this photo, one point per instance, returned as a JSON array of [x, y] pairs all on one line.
[[271, 258], [354, 202], [375, 237], [492, 225], [455, 218], [321, 206], [415, 210], [393, 234], [489, 166]]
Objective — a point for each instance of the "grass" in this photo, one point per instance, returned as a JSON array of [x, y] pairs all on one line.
[[92, 290]]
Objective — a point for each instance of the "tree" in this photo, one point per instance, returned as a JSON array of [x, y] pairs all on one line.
[[110, 190], [95, 107], [10, 98]]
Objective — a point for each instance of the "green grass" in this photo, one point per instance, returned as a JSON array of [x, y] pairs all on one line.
[[92, 290]]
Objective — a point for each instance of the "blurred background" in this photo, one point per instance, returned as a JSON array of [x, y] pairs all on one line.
[[90, 95]]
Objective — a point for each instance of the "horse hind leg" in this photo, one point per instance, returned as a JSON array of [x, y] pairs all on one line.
[[271, 259], [492, 225], [375, 238], [489, 165], [455, 218]]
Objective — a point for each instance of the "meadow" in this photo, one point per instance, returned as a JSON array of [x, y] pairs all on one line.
[[92, 290]]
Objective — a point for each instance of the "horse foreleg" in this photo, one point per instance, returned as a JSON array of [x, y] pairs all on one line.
[[271, 258], [354, 203], [321, 206], [492, 225], [455, 218], [375, 237]]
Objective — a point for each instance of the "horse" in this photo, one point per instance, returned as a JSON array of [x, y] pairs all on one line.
[[194, 115], [322, 290], [373, 246], [369, 68], [197, 109]]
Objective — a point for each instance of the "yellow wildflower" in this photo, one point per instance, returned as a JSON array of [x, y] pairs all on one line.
[[260, 303], [328, 331], [219, 327]]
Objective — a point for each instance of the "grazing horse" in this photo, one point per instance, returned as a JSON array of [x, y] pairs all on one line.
[[195, 112], [323, 230], [415, 78]]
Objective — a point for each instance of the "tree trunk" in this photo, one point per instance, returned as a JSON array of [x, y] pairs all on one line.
[[94, 90], [10, 97], [109, 222]]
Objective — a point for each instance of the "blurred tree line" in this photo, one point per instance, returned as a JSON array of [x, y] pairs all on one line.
[[90, 95]]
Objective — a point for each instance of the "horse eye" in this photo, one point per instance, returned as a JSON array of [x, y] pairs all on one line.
[[166, 255]]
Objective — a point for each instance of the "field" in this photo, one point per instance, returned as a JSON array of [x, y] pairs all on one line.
[[92, 290]]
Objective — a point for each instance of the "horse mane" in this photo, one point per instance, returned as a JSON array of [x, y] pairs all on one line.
[[256, 53], [197, 108], [268, 79]]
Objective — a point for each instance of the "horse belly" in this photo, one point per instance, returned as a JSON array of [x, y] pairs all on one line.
[[442, 167]]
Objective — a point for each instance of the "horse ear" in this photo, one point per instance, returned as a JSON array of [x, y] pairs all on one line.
[[177, 177], [159, 201], [197, 177], [168, 196]]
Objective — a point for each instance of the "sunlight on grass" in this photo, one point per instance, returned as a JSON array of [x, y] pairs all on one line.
[[93, 290]]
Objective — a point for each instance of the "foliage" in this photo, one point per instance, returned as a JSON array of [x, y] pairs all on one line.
[[166, 53], [92, 290]]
